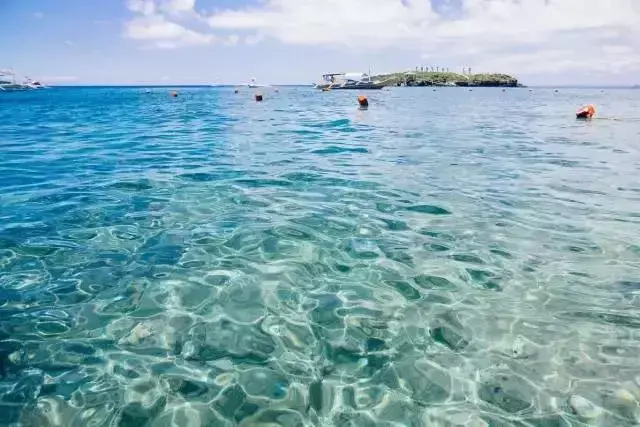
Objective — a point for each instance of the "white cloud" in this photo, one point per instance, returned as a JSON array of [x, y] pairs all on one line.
[[517, 36], [69, 43], [145, 7], [254, 39], [150, 7], [568, 34], [232, 40], [165, 34], [177, 6], [152, 25], [38, 15], [331, 22]]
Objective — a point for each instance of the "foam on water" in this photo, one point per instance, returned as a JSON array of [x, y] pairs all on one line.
[[445, 258]]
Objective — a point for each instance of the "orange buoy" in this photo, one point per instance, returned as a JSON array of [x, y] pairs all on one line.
[[586, 112], [363, 101], [174, 94], [259, 97]]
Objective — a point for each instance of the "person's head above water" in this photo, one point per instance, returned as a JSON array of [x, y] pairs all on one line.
[[586, 112]]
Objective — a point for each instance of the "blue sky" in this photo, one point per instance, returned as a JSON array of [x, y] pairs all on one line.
[[293, 41]]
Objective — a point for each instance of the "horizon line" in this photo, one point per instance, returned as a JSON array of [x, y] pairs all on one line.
[[227, 85]]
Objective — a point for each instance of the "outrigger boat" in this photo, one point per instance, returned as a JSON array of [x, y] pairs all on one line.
[[8, 82], [338, 81]]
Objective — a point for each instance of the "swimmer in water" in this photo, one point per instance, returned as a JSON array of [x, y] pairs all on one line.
[[586, 112], [363, 102]]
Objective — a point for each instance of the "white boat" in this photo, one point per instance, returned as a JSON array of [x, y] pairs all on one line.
[[8, 82], [34, 84], [339, 81], [252, 84]]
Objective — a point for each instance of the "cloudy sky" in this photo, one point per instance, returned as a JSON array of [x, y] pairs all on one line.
[[293, 41]]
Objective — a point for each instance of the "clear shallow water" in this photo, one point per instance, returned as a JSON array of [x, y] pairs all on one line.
[[446, 258]]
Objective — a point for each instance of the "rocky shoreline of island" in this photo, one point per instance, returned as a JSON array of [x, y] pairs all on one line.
[[436, 78]]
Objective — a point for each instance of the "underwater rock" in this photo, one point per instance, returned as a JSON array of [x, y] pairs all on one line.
[[583, 408]]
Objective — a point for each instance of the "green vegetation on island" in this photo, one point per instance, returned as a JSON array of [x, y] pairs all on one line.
[[437, 78]]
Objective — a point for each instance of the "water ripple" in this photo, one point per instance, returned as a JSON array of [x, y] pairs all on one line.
[[456, 258]]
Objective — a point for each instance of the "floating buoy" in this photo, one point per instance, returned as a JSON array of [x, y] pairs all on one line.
[[363, 101], [259, 97], [586, 112], [236, 91], [174, 94], [556, 91]]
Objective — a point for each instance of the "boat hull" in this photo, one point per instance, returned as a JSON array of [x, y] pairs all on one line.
[[363, 86], [14, 88], [360, 87]]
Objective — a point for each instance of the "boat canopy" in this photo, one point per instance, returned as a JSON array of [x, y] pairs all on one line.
[[347, 76], [355, 76]]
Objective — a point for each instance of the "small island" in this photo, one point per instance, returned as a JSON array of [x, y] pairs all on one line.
[[439, 78]]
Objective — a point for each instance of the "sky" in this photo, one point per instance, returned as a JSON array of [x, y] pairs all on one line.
[[541, 42]]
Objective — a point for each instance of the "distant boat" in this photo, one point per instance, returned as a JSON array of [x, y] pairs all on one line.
[[252, 84], [342, 81], [8, 82], [34, 84]]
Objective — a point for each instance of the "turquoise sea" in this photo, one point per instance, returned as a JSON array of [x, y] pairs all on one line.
[[445, 258]]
